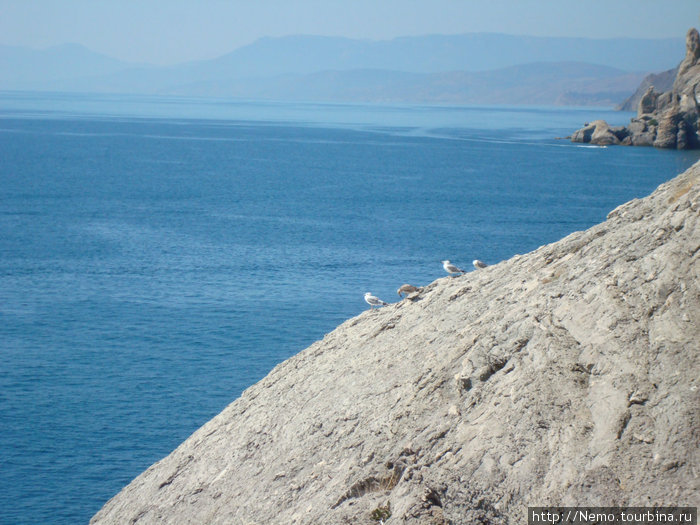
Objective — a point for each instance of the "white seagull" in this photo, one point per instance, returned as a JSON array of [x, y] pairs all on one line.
[[451, 268], [479, 264], [407, 289], [373, 301]]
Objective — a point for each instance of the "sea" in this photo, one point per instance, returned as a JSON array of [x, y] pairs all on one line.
[[159, 255]]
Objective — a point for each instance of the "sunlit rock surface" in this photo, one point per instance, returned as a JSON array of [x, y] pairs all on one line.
[[565, 376]]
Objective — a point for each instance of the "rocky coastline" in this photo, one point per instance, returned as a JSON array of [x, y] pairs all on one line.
[[668, 119], [566, 376]]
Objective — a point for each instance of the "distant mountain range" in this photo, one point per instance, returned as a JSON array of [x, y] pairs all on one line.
[[456, 69]]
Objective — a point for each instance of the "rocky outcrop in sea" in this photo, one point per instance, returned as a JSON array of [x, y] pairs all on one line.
[[566, 376], [669, 119]]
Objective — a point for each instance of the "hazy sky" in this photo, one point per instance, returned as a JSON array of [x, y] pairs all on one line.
[[170, 31]]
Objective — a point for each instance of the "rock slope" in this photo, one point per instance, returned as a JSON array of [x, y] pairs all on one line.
[[665, 120], [565, 376]]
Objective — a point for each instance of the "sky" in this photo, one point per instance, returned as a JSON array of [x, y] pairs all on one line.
[[172, 31]]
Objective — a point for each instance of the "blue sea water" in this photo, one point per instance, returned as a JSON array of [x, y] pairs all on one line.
[[160, 255]]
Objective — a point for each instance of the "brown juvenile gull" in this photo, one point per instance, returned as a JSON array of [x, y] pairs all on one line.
[[407, 289], [373, 301], [451, 268], [479, 264]]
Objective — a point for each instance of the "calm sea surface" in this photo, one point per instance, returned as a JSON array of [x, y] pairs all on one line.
[[160, 255]]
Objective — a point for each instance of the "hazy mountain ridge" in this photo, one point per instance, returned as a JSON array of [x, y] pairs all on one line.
[[440, 53], [538, 83], [471, 68], [25, 68]]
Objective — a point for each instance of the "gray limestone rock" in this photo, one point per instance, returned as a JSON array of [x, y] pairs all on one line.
[[691, 60], [647, 104], [677, 111], [603, 134], [646, 138], [584, 134], [567, 376], [638, 126], [597, 132], [667, 131]]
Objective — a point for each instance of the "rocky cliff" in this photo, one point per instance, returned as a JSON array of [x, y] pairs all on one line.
[[565, 376], [670, 119], [660, 82]]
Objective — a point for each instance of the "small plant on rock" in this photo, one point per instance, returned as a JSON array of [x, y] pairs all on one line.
[[381, 513]]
